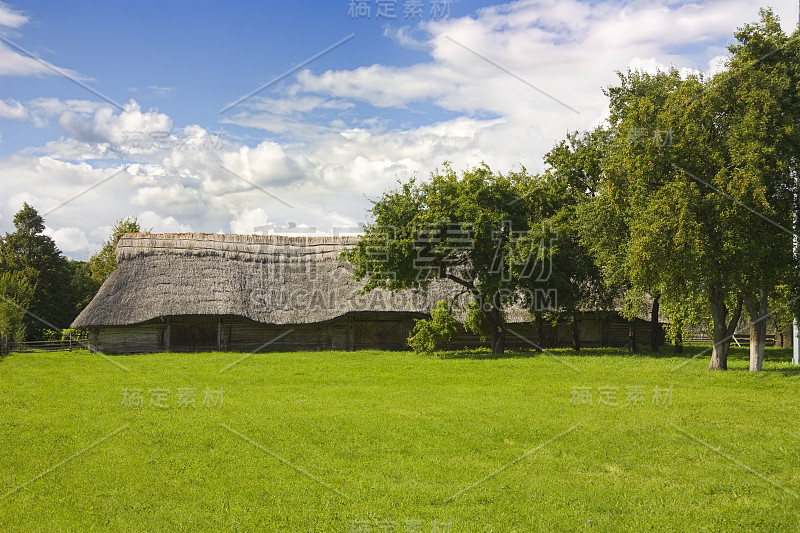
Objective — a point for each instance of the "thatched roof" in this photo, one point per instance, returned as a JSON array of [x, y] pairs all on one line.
[[269, 279]]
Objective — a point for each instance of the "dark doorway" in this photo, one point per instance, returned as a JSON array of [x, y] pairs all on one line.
[[194, 337]]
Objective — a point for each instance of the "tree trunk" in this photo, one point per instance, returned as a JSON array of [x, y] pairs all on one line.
[[498, 341], [632, 347], [498, 331], [540, 328], [723, 331], [655, 327], [679, 341], [576, 331], [758, 330]]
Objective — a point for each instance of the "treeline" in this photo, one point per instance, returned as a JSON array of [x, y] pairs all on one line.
[[681, 203], [42, 291]]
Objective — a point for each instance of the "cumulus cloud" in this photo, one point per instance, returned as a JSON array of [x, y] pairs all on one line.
[[71, 240], [11, 18], [247, 220], [149, 220], [266, 164], [13, 109], [130, 129], [717, 64], [500, 86]]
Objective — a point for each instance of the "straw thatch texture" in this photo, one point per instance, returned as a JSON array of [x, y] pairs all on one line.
[[268, 279]]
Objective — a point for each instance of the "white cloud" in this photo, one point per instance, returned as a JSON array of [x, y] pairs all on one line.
[[15, 61], [286, 116], [13, 109], [71, 240], [11, 18], [379, 85], [169, 197], [717, 64], [332, 155], [649, 65], [266, 164], [129, 128], [404, 38], [566, 48], [245, 221], [149, 220], [158, 91], [49, 107]]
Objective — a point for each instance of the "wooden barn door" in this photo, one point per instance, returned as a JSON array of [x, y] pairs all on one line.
[[193, 336], [378, 334]]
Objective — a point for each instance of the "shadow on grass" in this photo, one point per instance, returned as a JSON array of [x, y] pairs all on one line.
[[772, 355], [486, 353]]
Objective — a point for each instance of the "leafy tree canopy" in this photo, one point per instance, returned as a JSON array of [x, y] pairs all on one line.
[[34, 257], [103, 263]]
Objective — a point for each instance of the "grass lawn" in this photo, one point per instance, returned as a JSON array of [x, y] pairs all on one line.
[[380, 441]]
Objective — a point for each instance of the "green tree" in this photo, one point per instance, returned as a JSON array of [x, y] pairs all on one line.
[[434, 333], [701, 209], [103, 263], [601, 224], [760, 109], [36, 259], [573, 181], [678, 227], [83, 286], [467, 229], [15, 296]]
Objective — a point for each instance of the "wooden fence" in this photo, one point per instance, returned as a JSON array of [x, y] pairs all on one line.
[[73, 343], [739, 339]]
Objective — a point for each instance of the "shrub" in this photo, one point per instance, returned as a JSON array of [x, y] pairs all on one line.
[[435, 332], [65, 334]]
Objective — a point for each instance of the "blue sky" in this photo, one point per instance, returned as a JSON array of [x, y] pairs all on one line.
[[481, 81]]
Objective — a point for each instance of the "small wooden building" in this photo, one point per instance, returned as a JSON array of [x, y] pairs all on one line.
[[203, 292]]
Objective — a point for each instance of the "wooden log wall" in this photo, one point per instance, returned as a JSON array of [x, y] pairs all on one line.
[[354, 331]]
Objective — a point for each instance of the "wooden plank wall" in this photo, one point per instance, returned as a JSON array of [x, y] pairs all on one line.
[[596, 331], [385, 331], [141, 338], [351, 332]]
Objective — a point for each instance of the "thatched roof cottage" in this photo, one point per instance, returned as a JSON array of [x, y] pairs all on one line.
[[200, 292]]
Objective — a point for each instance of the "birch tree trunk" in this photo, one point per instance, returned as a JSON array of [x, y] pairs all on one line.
[[758, 330]]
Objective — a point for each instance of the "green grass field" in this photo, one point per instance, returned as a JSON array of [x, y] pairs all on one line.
[[378, 441]]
